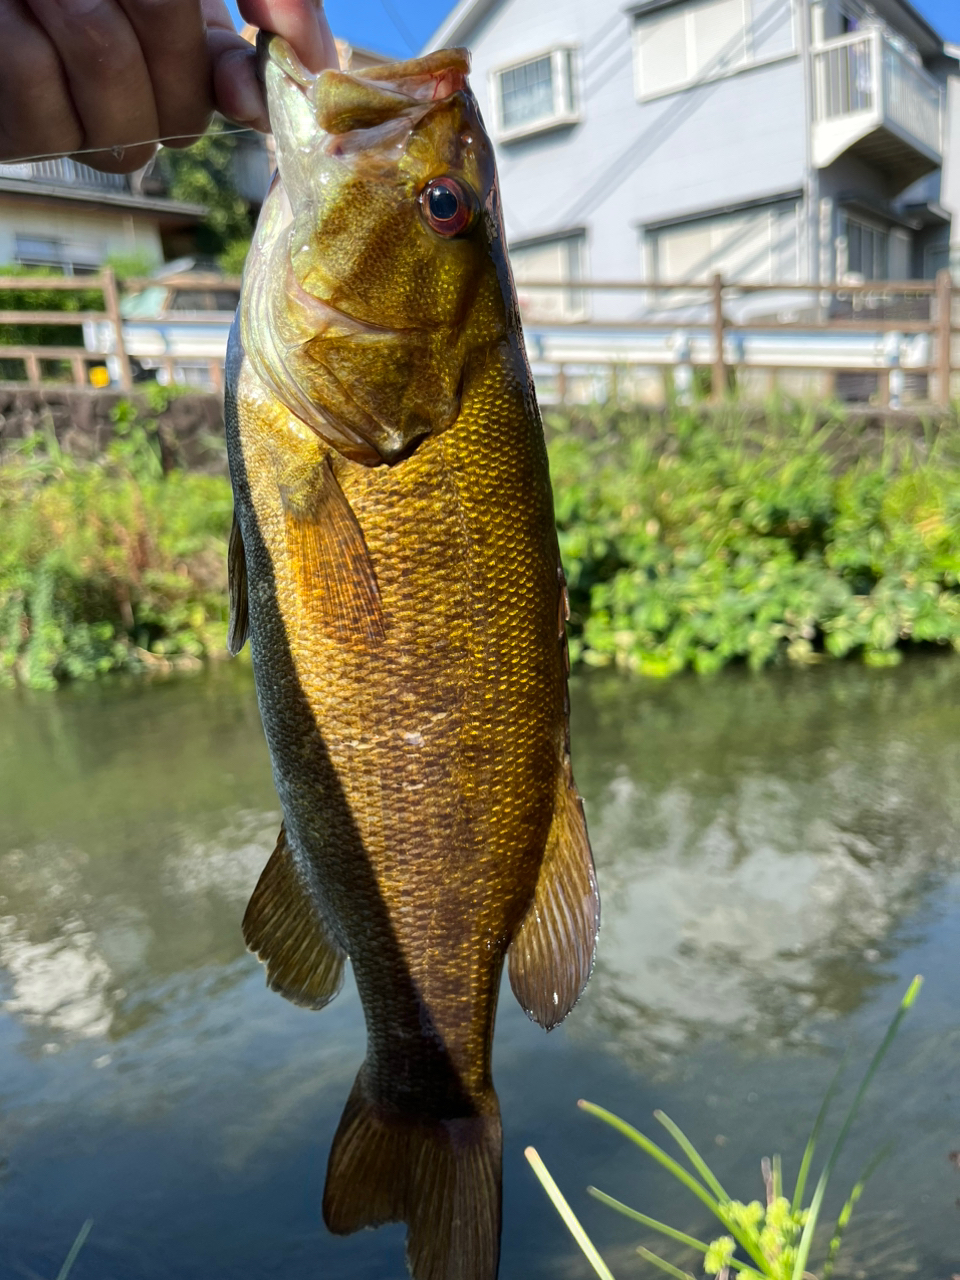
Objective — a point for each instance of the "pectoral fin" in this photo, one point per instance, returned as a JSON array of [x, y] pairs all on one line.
[[552, 952], [239, 624], [335, 577], [284, 929]]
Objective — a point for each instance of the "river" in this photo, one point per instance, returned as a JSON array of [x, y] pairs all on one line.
[[777, 854]]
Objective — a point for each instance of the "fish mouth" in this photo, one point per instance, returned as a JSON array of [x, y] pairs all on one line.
[[345, 101]]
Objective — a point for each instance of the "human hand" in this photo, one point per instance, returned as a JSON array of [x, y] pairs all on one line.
[[98, 77]]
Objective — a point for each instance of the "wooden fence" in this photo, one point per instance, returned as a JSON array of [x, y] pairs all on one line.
[[80, 359], [614, 325]]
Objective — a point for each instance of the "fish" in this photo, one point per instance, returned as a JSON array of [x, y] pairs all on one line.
[[394, 563]]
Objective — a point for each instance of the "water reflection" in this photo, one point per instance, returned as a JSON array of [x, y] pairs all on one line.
[[772, 852], [760, 842]]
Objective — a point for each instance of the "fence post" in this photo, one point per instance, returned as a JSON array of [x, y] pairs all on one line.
[[112, 308], [32, 363], [944, 335], [719, 379]]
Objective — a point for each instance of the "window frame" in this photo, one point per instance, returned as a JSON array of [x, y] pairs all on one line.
[[573, 298], [565, 75], [749, 61]]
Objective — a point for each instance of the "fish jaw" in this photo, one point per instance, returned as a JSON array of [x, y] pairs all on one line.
[[357, 315]]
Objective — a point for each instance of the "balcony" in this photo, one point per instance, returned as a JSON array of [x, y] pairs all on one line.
[[872, 100]]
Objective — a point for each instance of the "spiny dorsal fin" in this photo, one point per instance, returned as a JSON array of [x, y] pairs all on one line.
[[333, 569], [283, 928], [239, 624], [552, 952]]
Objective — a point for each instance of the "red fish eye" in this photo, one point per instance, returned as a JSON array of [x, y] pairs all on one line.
[[447, 206]]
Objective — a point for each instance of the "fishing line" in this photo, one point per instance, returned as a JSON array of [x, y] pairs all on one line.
[[117, 152]]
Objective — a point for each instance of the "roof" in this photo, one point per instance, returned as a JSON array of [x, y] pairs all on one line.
[[30, 189], [461, 20]]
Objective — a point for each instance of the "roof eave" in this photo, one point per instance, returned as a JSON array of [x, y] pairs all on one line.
[[458, 23], [130, 203]]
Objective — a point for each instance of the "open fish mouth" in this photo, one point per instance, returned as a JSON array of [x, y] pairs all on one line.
[[347, 101]]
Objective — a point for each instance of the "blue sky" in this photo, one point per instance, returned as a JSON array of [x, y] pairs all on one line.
[[400, 27]]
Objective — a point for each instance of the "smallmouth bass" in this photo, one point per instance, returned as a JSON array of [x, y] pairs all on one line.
[[394, 561]]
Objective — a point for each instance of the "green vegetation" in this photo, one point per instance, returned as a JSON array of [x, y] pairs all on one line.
[[769, 1241], [711, 538], [108, 565], [203, 174], [689, 542]]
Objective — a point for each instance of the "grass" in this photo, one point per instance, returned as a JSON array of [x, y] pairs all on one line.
[[771, 1239], [109, 564]]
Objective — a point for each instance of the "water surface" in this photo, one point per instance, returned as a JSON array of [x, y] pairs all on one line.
[[777, 856]]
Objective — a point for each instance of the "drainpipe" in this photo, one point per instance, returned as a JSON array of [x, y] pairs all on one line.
[[811, 177]]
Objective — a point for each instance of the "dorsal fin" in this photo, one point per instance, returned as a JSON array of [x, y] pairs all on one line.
[[283, 927]]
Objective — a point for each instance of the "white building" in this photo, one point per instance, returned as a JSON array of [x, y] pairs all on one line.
[[770, 140]]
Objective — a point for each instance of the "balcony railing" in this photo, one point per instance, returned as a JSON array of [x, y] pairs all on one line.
[[864, 82], [64, 173]]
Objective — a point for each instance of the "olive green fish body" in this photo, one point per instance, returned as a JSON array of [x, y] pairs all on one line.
[[399, 576]]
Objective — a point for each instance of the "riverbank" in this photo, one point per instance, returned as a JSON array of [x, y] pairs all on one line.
[[690, 541]]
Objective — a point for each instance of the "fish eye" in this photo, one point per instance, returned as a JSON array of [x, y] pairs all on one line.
[[448, 207]]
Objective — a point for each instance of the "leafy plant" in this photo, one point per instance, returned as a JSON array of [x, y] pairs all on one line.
[[108, 564], [203, 174], [771, 1240], [705, 539]]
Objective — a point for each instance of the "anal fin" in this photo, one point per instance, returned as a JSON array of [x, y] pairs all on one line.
[[552, 952], [335, 577], [283, 928], [239, 624]]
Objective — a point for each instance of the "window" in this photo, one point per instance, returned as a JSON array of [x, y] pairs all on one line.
[[862, 249], [536, 94], [205, 300], [682, 44], [757, 246], [557, 259], [73, 257]]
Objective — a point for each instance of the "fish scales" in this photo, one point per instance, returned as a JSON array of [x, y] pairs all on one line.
[[404, 604]]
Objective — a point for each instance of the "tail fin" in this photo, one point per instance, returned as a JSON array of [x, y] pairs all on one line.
[[440, 1177]]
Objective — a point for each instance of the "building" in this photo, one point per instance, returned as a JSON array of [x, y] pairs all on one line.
[[60, 213], [769, 140]]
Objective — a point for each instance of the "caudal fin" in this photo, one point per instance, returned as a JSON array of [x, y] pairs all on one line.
[[440, 1177]]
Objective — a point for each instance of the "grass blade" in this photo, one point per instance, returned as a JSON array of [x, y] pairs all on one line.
[[806, 1240], [570, 1219], [811, 1146], [687, 1179], [75, 1248], [691, 1241], [692, 1154], [847, 1211], [664, 1265]]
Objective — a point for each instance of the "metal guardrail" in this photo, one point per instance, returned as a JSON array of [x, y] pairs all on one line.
[[886, 329]]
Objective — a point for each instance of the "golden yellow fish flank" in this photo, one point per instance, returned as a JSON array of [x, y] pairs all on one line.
[[394, 561]]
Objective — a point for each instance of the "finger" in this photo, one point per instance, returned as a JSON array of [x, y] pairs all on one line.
[[237, 91], [173, 44], [301, 23], [36, 111], [107, 78]]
